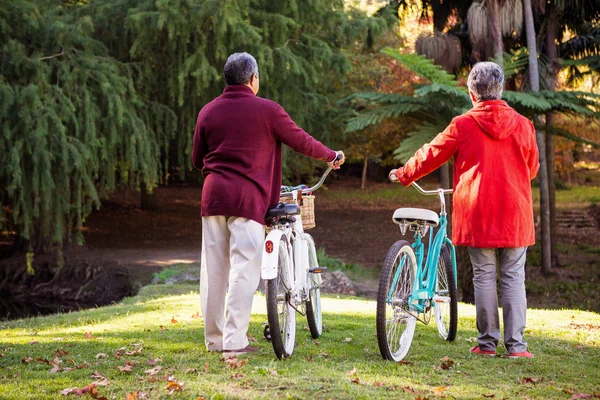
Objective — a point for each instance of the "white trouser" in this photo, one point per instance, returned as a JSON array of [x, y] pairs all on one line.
[[231, 256]]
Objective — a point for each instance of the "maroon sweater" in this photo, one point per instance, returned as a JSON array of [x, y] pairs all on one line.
[[237, 145]]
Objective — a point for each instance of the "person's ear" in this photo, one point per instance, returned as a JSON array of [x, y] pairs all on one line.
[[473, 98]]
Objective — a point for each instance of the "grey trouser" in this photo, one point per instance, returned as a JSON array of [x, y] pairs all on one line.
[[514, 302]]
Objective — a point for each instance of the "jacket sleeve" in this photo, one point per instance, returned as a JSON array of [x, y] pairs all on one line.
[[199, 148], [533, 157], [431, 156], [287, 132]]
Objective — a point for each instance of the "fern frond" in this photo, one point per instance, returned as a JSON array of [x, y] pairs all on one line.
[[422, 66], [374, 117], [458, 94], [526, 103], [389, 98], [416, 139], [554, 130]]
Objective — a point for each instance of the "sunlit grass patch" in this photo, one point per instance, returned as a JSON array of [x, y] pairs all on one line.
[[164, 322]]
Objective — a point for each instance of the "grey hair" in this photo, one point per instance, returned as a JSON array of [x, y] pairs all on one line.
[[239, 69], [486, 81]]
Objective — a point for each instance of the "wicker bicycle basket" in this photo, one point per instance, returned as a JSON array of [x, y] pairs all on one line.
[[307, 210]]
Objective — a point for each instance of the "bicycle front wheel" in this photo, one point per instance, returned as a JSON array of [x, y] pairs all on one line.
[[313, 307], [444, 301], [395, 326], [280, 313]]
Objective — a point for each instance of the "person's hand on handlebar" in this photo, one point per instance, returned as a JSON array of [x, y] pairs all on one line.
[[392, 175], [338, 161]]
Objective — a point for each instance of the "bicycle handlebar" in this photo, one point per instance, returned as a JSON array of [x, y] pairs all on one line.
[[312, 189], [431, 192]]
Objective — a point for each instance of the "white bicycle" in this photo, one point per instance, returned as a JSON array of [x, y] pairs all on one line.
[[291, 271]]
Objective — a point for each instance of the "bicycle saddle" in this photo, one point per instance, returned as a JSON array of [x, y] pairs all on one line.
[[418, 216], [282, 210]]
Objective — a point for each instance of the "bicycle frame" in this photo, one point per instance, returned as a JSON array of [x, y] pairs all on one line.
[[301, 247], [425, 281]]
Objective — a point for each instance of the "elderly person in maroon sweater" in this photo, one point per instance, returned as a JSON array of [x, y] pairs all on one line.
[[237, 145]]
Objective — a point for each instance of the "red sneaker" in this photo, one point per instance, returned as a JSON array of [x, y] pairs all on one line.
[[524, 354], [477, 350]]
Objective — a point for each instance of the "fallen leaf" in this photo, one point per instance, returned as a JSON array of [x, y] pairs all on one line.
[[174, 385], [438, 390], [238, 376], [273, 373], [127, 368], [357, 381], [308, 359], [196, 316], [489, 396], [88, 335], [103, 382], [581, 396], [43, 360], [173, 320], [98, 375], [447, 363], [134, 352], [526, 380], [205, 367], [153, 371], [132, 396], [377, 383], [153, 362], [471, 339], [191, 370], [348, 339], [234, 363], [33, 342], [26, 360], [351, 372], [402, 362], [101, 355], [60, 353]]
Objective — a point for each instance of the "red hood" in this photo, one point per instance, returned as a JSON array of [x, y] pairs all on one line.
[[495, 118]]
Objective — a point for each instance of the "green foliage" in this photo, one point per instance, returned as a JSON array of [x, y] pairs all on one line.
[[179, 48], [434, 105], [423, 67], [72, 127]]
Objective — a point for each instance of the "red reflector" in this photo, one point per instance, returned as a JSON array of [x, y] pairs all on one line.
[[269, 246]]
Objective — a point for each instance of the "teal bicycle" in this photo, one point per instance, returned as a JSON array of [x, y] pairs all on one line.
[[417, 281]]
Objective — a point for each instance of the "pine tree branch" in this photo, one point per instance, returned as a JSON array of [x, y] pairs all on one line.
[[53, 56]]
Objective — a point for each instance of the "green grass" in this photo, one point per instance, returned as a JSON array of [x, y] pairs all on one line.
[[566, 344], [577, 195]]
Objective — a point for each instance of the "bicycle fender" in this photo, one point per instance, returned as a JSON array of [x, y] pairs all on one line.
[[270, 255]]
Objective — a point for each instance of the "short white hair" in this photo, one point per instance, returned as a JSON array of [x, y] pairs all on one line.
[[486, 81]]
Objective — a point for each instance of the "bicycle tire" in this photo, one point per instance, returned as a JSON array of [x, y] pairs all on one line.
[[280, 314], [446, 312], [314, 314], [400, 259]]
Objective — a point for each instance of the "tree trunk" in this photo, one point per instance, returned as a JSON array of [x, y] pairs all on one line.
[[496, 29], [363, 181], [148, 201], [543, 174], [550, 50]]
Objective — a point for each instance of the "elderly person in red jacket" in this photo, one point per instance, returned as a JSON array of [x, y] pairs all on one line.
[[495, 158], [237, 145]]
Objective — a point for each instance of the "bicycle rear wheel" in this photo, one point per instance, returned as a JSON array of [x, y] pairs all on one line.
[[395, 326], [281, 315], [444, 301], [313, 307]]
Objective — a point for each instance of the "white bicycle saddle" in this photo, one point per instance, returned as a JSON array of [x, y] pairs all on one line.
[[419, 216]]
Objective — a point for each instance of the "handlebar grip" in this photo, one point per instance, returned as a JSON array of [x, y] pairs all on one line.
[[338, 157]]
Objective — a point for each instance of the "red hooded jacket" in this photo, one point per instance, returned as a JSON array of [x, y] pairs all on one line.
[[495, 158]]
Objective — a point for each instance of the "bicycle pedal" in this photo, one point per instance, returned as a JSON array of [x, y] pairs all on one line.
[[318, 270]]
